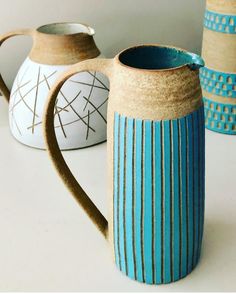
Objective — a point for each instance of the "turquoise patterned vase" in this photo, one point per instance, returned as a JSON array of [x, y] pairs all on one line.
[[218, 78], [156, 164]]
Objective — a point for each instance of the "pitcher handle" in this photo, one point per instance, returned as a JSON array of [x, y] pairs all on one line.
[[3, 87], [104, 66]]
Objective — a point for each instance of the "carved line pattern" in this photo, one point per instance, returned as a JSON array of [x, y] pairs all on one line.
[[33, 88], [42, 78], [14, 94], [57, 112], [35, 99]]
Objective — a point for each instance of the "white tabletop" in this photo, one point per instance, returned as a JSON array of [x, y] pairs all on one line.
[[47, 243]]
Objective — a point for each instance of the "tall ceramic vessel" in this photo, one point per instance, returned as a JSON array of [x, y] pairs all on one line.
[[80, 110], [218, 78], [155, 161]]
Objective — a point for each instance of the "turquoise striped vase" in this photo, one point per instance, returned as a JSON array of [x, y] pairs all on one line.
[[158, 199], [155, 152]]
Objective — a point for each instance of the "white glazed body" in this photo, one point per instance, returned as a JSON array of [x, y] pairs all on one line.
[[80, 113]]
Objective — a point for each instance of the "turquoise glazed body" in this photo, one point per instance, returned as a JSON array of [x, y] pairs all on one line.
[[158, 196]]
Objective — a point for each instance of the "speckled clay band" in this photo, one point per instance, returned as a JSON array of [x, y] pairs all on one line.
[[218, 83], [220, 117], [220, 22]]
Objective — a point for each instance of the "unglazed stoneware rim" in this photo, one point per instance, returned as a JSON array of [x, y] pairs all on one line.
[[117, 58], [82, 29], [68, 43]]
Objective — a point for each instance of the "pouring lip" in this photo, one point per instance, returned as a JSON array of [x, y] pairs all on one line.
[[157, 70], [52, 29]]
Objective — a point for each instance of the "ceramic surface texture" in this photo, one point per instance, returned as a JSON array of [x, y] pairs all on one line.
[[80, 111], [155, 161], [158, 196], [218, 78]]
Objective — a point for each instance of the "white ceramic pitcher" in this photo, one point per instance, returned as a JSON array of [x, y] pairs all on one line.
[[80, 111]]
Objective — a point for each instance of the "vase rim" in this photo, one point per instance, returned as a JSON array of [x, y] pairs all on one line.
[[185, 63], [66, 29]]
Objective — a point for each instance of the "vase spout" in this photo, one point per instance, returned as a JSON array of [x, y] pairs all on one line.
[[196, 61]]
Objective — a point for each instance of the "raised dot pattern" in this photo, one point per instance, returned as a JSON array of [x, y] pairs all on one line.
[[218, 83], [220, 22], [220, 117]]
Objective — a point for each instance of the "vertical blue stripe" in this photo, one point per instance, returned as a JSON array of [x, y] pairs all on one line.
[[203, 170], [175, 171], [203, 154], [121, 184], [129, 202], [176, 198], [115, 200], [190, 190], [167, 195], [202, 162], [196, 183], [184, 170], [201, 149], [148, 203], [200, 178], [138, 207], [158, 189]]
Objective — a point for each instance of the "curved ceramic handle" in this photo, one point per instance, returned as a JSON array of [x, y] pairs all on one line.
[[3, 88], [104, 66]]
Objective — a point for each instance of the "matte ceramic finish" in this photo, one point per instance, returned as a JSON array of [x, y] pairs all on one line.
[[220, 117], [155, 161], [226, 7], [158, 196], [219, 83], [220, 23], [80, 112], [218, 78]]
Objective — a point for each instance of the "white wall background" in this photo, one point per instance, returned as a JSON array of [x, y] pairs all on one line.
[[118, 24]]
